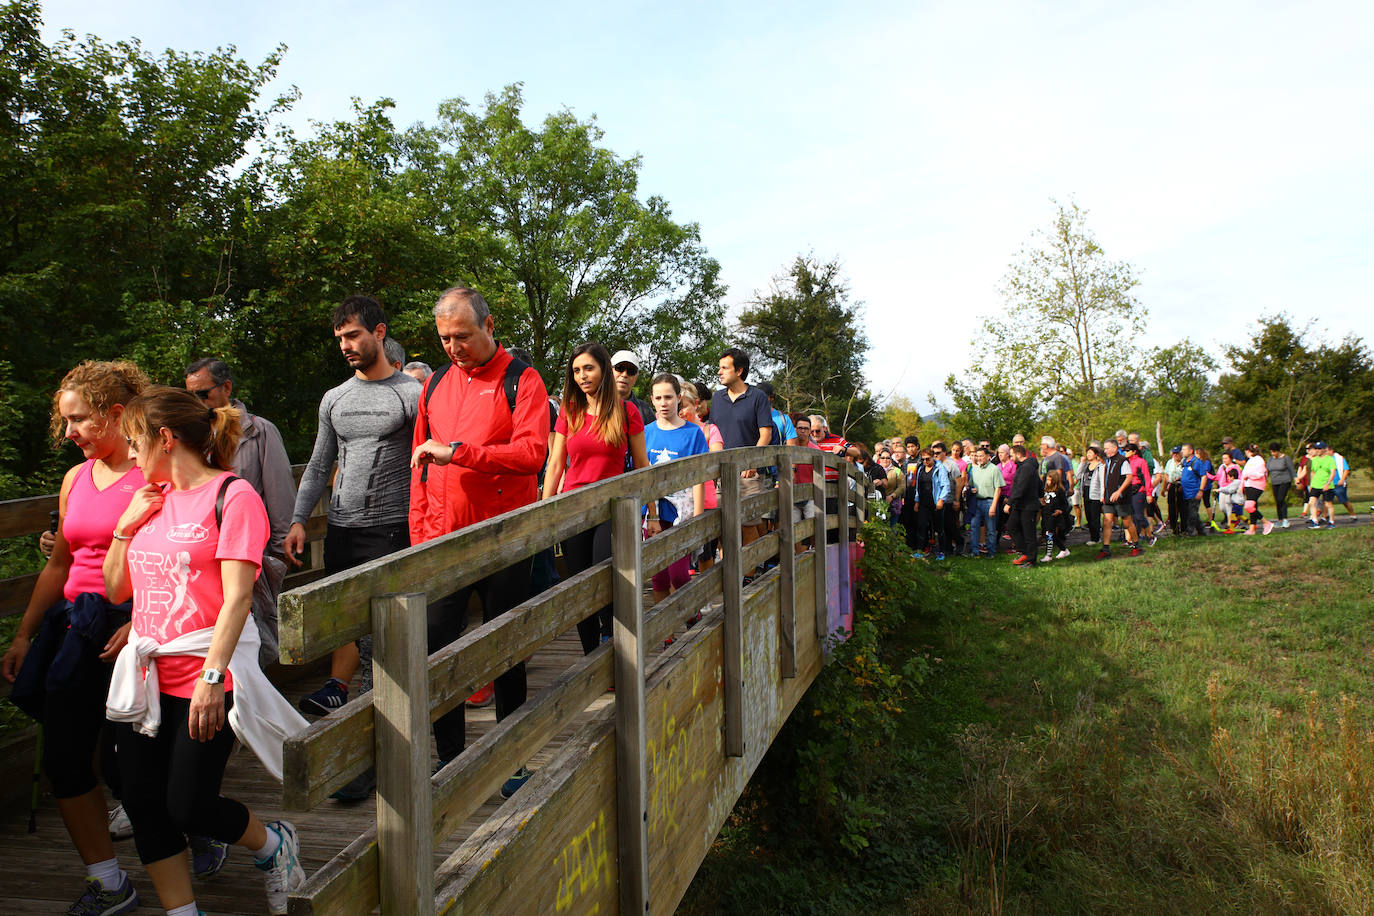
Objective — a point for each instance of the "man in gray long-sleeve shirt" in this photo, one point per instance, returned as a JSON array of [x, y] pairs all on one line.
[[366, 425]]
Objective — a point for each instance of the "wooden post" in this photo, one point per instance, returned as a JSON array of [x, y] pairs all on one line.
[[822, 596], [787, 569], [631, 720], [842, 532], [732, 587], [400, 699]]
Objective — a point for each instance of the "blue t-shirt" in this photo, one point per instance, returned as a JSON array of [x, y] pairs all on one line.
[[669, 445], [1192, 476], [783, 424]]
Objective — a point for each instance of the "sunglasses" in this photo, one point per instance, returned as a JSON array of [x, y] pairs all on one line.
[[626, 369]]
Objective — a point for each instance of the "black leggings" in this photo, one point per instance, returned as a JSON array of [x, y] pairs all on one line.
[[1253, 495], [580, 552], [446, 620], [1281, 500], [1092, 512], [172, 782], [74, 729]]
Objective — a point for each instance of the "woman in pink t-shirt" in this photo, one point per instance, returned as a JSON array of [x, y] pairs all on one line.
[[590, 439], [693, 404], [74, 631], [187, 550]]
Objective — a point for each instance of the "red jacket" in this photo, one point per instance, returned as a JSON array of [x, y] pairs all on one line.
[[494, 469]]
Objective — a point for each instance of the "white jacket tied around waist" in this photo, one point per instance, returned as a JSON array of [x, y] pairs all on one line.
[[261, 717]]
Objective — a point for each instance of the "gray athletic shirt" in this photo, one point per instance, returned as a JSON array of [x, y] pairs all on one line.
[[367, 427]]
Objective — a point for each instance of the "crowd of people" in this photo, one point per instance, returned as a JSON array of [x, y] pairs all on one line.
[[955, 499], [144, 645]]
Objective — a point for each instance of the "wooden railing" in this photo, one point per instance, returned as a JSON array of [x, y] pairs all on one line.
[[623, 813], [29, 517]]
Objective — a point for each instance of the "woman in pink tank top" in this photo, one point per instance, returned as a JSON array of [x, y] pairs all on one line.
[[70, 634]]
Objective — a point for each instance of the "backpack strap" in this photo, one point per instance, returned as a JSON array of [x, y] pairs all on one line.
[[514, 369], [219, 499], [433, 382]]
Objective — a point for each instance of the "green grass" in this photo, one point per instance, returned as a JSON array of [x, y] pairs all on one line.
[[1183, 732]]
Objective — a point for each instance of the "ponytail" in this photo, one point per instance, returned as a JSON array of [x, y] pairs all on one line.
[[225, 431], [213, 432]]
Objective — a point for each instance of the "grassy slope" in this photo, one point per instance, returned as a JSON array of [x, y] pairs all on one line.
[[1159, 734]]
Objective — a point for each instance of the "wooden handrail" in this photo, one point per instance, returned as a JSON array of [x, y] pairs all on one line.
[[324, 614]]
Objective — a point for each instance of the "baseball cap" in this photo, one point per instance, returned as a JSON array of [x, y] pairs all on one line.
[[1223, 441], [1319, 445], [1177, 449], [626, 356]]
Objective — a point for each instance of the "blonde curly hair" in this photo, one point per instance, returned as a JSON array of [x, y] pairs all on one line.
[[100, 384]]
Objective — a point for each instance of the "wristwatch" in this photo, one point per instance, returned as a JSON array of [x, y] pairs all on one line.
[[212, 676]]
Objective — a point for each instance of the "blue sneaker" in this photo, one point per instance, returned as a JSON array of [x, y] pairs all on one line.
[[918, 555], [207, 855], [97, 901], [328, 698], [512, 785], [939, 556]]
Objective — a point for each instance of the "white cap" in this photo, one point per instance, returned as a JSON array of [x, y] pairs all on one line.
[[626, 356]]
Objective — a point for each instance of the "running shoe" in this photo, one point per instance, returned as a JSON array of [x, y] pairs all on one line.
[[358, 788], [1152, 541], [120, 828], [1104, 554], [1063, 554], [918, 555], [208, 855], [1313, 524], [512, 785], [328, 698], [1093, 543], [1247, 532], [939, 556], [1135, 550], [1022, 560], [282, 872], [1268, 527], [1047, 558], [485, 696], [1285, 523], [97, 901], [693, 620]]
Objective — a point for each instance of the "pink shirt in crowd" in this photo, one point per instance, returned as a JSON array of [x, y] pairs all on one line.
[[1008, 469], [174, 566], [590, 458], [92, 514], [1255, 474]]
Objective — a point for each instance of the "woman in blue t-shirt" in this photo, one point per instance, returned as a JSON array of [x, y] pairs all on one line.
[[670, 437]]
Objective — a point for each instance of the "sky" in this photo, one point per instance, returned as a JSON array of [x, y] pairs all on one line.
[[1224, 150]]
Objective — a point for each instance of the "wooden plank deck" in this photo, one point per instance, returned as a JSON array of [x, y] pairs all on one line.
[[42, 873]]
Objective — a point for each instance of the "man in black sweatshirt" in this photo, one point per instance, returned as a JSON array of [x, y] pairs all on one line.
[[1024, 503]]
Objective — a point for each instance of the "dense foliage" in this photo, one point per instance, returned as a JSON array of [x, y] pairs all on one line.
[[150, 208]]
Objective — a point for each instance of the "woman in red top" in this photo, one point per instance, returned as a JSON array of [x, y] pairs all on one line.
[[590, 440], [75, 632]]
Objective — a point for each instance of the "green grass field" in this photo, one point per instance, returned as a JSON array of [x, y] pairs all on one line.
[[1189, 731]]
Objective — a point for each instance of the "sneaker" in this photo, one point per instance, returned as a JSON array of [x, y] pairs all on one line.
[[1047, 558], [1354, 519], [512, 785], [282, 873], [1285, 523], [939, 556], [1247, 532], [1135, 550], [693, 620], [1022, 560], [358, 788], [97, 901], [1093, 543], [438, 765], [1063, 554], [485, 696], [1313, 524], [1152, 541], [120, 828], [918, 555], [1104, 554], [1268, 527], [328, 698], [207, 855]]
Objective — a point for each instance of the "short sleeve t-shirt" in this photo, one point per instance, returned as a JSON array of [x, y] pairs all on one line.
[[1056, 461], [669, 445], [740, 420], [175, 570], [591, 458], [1322, 469]]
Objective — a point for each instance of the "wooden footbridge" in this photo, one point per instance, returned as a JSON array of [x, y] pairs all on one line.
[[639, 750]]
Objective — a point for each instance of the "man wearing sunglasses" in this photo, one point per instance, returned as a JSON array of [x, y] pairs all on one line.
[[625, 364], [261, 457]]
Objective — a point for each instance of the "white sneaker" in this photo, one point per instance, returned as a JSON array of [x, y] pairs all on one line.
[[1285, 523], [283, 872], [1093, 543], [1048, 557], [1062, 554], [120, 828]]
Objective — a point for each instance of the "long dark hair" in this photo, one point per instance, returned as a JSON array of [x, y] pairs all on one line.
[[610, 425]]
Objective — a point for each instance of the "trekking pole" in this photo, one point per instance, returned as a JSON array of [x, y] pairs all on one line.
[[37, 770]]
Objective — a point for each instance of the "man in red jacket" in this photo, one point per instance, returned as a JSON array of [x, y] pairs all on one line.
[[481, 436]]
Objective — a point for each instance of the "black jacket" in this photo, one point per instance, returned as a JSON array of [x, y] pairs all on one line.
[[1026, 486]]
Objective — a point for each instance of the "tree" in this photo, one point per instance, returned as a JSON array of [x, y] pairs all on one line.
[[572, 253], [1283, 386], [808, 335], [992, 410], [1070, 322]]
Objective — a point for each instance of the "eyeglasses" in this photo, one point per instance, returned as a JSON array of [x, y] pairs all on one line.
[[626, 369], [203, 393]]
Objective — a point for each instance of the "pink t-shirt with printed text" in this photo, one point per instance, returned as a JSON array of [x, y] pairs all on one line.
[[175, 571]]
